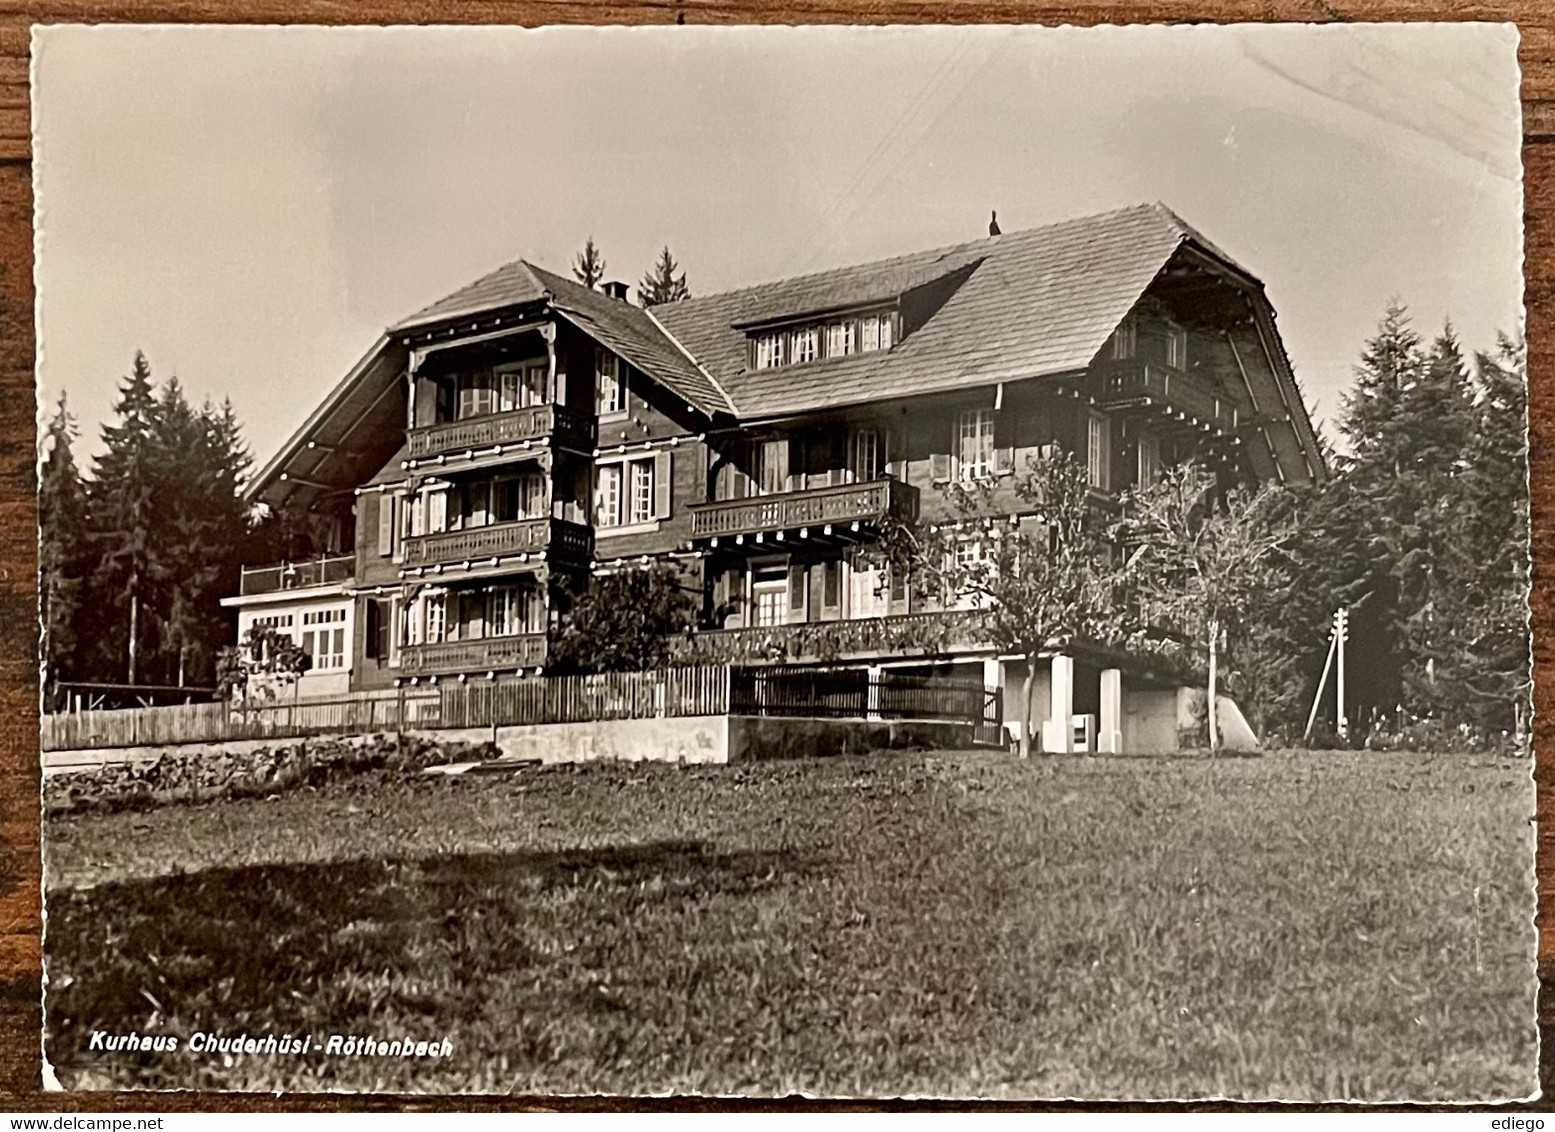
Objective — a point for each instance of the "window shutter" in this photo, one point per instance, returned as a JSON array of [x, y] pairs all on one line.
[[663, 484], [798, 591], [386, 523], [1003, 461], [831, 587], [370, 637], [939, 467]]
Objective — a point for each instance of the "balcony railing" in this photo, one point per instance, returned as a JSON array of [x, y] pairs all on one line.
[[1121, 382], [539, 422], [910, 634], [816, 508], [296, 575], [555, 537], [487, 654]]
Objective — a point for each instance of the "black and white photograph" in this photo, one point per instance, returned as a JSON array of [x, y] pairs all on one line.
[[979, 562]]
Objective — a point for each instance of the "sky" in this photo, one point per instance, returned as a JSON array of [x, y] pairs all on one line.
[[252, 206]]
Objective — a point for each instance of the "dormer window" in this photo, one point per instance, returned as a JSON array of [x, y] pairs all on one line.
[[833, 338], [876, 330], [769, 350], [807, 344], [841, 338]]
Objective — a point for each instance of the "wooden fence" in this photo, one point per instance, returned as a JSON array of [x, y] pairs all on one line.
[[579, 699], [705, 690], [355, 714]]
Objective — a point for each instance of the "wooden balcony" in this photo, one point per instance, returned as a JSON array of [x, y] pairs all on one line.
[[926, 634], [543, 539], [534, 427], [1135, 384], [838, 507], [488, 654], [296, 575]]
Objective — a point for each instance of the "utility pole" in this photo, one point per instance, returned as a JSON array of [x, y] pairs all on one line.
[[1341, 635], [1322, 683]]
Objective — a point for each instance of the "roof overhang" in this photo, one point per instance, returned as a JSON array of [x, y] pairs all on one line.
[[356, 428]]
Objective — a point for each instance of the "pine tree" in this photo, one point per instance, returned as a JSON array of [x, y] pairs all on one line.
[[662, 285], [120, 512], [169, 528], [61, 544], [589, 266]]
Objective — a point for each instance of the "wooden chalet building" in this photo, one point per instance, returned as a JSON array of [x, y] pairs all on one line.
[[525, 431]]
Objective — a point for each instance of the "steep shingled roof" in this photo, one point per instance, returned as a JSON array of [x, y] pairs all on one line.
[[512, 284], [626, 329], [1040, 301], [631, 332]]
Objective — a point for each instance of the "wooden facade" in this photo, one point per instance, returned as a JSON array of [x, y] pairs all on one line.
[[502, 450]]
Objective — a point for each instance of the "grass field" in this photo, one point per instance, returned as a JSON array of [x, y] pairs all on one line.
[[1301, 926]]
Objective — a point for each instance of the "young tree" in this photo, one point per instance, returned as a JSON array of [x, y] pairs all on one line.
[[261, 662], [61, 545], [589, 266], [625, 622], [1038, 583], [1205, 556], [662, 285]]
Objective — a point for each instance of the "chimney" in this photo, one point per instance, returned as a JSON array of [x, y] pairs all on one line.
[[615, 290]]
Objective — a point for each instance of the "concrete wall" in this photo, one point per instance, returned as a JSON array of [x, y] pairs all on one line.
[[692, 739], [1149, 720]]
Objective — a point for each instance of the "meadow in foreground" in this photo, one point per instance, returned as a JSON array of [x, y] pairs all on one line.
[[1301, 926]]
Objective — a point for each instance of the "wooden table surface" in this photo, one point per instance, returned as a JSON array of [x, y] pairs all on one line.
[[20, 912]]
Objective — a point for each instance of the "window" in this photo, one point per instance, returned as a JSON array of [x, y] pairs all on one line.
[[627, 492], [800, 344], [428, 512], [769, 350], [1098, 453], [607, 496], [609, 388], [970, 557], [274, 621], [974, 447], [1124, 339], [864, 596], [1176, 346], [842, 339], [502, 611], [771, 605], [511, 610], [1149, 459], [531, 496], [477, 394], [642, 491], [772, 467], [523, 386], [807, 344], [324, 638], [435, 616], [536, 384], [864, 455], [876, 331]]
